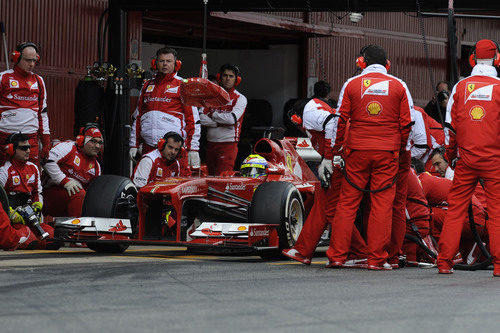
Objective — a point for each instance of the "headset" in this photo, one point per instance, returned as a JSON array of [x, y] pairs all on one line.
[[472, 56], [163, 141], [361, 62], [80, 138], [16, 55], [166, 50], [10, 147], [232, 68]]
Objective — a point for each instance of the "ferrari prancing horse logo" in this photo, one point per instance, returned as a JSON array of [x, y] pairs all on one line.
[[367, 83], [470, 87]]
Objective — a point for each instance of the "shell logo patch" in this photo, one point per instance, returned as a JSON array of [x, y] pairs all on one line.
[[16, 180], [477, 113], [242, 228], [470, 87], [159, 172], [150, 88], [14, 83], [76, 161], [374, 108], [77, 221]]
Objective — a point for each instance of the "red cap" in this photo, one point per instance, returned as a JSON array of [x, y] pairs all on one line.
[[92, 133], [485, 49]]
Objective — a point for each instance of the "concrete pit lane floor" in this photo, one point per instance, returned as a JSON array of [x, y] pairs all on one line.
[[164, 289]]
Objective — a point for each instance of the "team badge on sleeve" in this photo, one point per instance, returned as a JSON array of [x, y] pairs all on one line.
[[13, 83], [16, 180], [477, 113], [159, 172], [375, 86], [478, 91]]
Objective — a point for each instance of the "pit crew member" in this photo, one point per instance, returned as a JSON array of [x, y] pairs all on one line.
[[71, 167], [160, 110], [224, 123], [23, 102], [378, 107], [473, 134], [165, 161]]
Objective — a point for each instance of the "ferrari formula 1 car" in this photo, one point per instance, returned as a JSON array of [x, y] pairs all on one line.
[[263, 215]]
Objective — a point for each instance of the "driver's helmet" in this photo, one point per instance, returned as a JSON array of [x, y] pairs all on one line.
[[253, 166]]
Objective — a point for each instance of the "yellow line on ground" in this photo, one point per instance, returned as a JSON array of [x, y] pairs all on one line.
[[296, 263]]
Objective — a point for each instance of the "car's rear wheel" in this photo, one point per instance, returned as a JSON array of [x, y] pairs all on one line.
[[278, 203], [111, 196]]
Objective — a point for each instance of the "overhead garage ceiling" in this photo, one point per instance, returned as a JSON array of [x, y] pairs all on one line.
[[311, 5]]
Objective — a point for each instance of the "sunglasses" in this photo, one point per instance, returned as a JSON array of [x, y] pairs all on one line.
[[24, 147]]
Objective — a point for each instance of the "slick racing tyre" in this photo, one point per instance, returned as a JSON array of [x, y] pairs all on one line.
[[111, 196], [278, 203]]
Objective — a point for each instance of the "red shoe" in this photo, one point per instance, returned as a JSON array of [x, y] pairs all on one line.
[[295, 255], [334, 264], [384, 267], [446, 271]]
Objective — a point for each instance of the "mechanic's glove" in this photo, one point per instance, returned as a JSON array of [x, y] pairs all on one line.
[[37, 207], [194, 159], [207, 121], [73, 186], [133, 153], [325, 171], [15, 217], [338, 161]]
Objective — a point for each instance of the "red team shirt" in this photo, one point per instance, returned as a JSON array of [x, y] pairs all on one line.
[[378, 107], [21, 177], [153, 167], [229, 118], [23, 97], [160, 110], [474, 111], [67, 161]]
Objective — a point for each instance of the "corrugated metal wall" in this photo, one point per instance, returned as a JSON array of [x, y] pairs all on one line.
[[400, 35], [66, 32]]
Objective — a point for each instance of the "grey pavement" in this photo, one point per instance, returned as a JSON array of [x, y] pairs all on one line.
[[170, 290]]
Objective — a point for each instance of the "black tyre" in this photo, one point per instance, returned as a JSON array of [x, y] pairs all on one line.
[[278, 203], [111, 196]]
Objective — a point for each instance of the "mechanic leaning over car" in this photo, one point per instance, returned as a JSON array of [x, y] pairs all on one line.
[[23, 102], [378, 107], [473, 134], [319, 121], [71, 167], [167, 160], [160, 110], [224, 123]]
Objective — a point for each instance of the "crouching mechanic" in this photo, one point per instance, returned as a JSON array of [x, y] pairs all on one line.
[[165, 161], [21, 181], [71, 167]]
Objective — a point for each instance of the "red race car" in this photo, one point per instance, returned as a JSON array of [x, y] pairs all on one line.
[[263, 214]]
